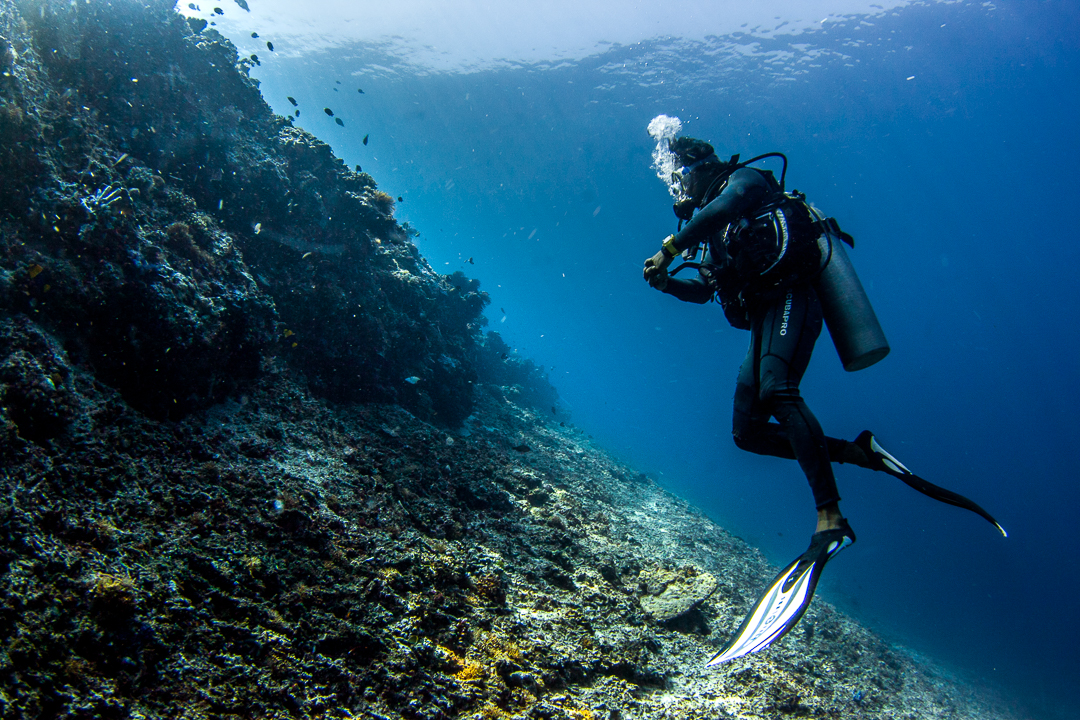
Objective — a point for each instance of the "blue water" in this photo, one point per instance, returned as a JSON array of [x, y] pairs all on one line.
[[942, 136]]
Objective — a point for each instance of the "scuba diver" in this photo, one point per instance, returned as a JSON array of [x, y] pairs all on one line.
[[778, 268]]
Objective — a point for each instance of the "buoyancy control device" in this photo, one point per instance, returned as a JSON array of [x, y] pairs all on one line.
[[783, 257]]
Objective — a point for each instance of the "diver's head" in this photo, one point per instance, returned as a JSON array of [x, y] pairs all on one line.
[[698, 163], [690, 151]]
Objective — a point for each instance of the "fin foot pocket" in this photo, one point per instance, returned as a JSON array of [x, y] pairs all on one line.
[[882, 461]]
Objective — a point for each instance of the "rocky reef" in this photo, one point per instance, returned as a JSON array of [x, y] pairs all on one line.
[[259, 460]]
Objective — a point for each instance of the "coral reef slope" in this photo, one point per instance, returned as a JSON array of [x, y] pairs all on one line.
[[258, 459], [279, 556]]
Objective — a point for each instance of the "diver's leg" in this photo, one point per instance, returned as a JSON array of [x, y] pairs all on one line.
[[790, 326], [750, 420], [770, 439], [750, 417], [750, 424]]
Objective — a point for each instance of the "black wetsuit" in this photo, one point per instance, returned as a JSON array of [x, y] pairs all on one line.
[[784, 325]]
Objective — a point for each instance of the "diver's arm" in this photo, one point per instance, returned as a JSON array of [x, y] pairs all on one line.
[[694, 290], [745, 189]]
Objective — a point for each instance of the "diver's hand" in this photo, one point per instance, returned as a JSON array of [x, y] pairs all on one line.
[[656, 267], [655, 272]]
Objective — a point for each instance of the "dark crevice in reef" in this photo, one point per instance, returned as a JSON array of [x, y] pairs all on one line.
[[257, 460]]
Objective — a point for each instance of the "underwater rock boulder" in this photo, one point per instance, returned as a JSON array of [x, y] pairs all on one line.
[[34, 381], [668, 595]]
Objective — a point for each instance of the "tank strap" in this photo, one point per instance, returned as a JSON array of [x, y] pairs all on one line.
[[832, 227], [828, 225]]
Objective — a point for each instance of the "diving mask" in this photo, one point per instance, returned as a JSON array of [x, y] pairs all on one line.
[[681, 177], [687, 200]]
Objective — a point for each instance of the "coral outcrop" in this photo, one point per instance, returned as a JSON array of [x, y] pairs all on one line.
[[256, 459]]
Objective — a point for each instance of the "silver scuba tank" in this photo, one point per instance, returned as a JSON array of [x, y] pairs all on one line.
[[854, 327]]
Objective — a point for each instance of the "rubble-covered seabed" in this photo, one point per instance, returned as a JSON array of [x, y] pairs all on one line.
[[276, 557], [258, 460]]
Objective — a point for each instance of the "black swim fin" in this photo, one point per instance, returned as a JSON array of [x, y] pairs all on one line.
[[783, 603], [882, 461]]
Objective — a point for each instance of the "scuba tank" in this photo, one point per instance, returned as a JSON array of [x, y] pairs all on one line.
[[854, 327]]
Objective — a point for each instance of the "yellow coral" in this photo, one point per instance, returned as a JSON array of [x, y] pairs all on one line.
[[451, 658], [499, 648], [112, 588], [491, 711], [489, 588], [252, 564], [583, 714], [472, 672]]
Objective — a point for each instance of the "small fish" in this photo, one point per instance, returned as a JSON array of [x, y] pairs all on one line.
[[505, 356], [291, 99], [255, 59], [340, 122], [359, 91], [365, 139], [270, 46], [522, 448], [328, 111], [219, 11], [288, 333], [358, 169], [412, 379], [243, 4], [306, 255], [254, 34], [503, 311], [470, 261], [191, 6], [258, 228], [297, 113], [400, 199], [120, 159], [338, 82], [35, 270]]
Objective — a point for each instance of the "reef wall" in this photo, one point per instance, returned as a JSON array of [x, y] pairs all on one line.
[[171, 232]]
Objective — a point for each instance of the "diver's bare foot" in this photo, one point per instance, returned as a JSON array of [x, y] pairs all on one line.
[[829, 517]]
